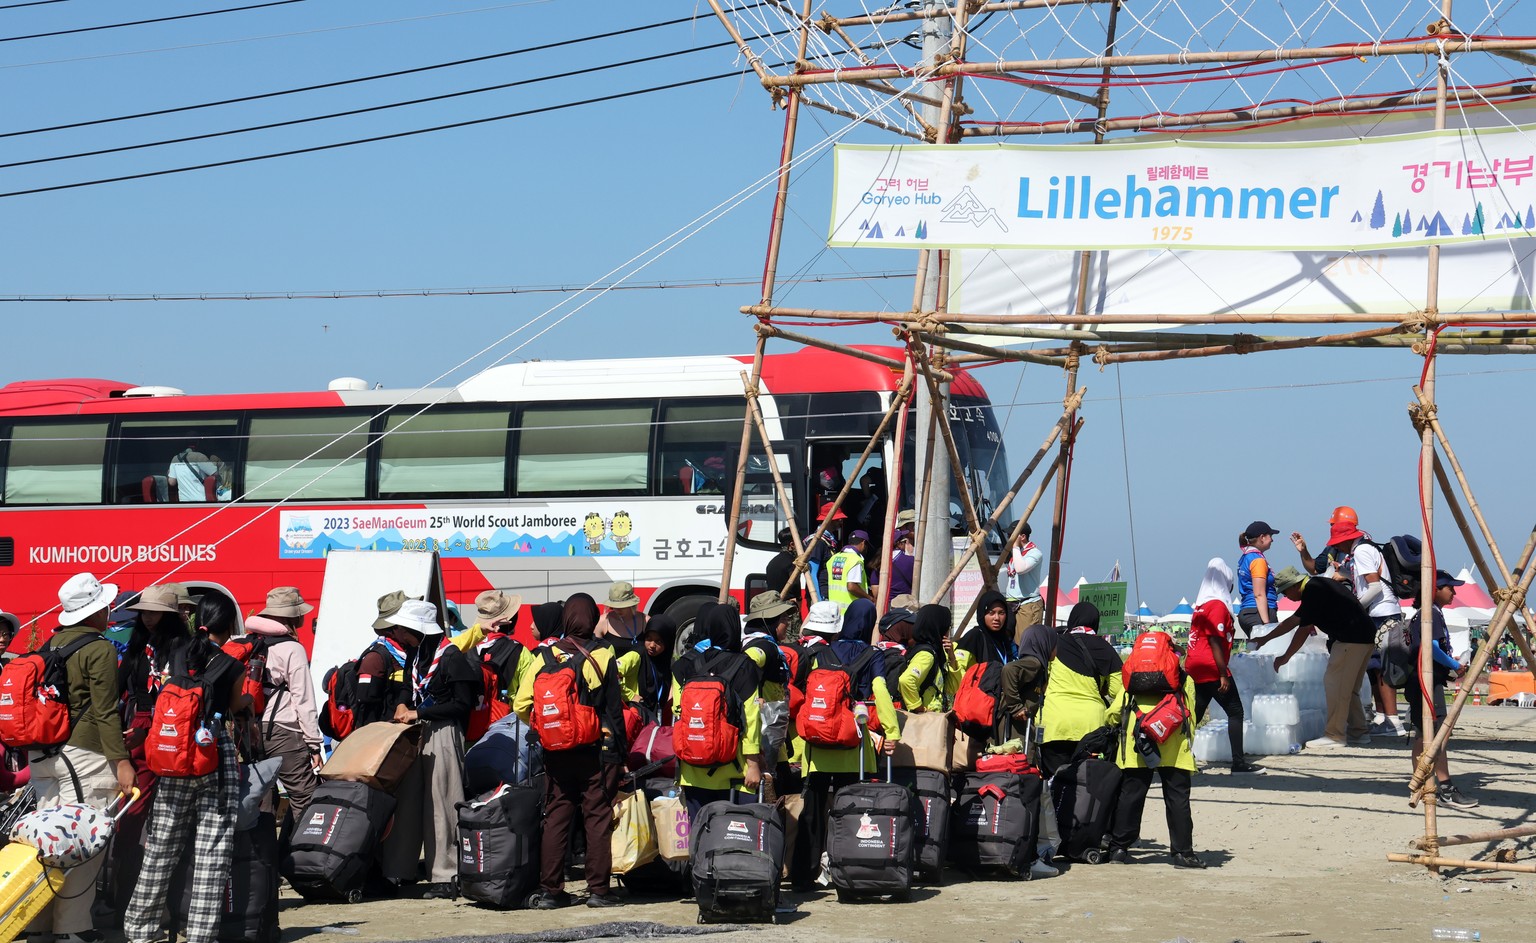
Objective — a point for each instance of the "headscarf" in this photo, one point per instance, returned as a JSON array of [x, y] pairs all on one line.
[[1217, 583], [722, 627], [858, 621], [656, 670], [1084, 615], [898, 633], [579, 617], [1038, 641], [982, 642], [931, 626], [546, 619]]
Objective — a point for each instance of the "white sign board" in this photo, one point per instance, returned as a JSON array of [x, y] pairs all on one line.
[[349, 596], [1461, 185]]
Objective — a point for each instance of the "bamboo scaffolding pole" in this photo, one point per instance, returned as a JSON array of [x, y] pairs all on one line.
[[1164, 122], [734, 525], [898, 401], [1018, 526], [1296, 54], [893, 496], [957, 318], [875, 19], [1477, 838], [990, 353], [1505, 579], [1502, 617], [763, 75], [871, 121], [1434, 861], [920, 485], [979, 536], [770, 330], [906, 98], [1194, 339], [756, 410], [957, 468], [1005, 353], [1059, 508], [1106, 356]]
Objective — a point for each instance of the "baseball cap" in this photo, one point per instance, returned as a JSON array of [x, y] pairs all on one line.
[[1259, 529], [858, 535], [1443, 578]]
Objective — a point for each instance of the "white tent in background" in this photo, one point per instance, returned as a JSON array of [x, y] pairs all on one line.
[[1182, 614]]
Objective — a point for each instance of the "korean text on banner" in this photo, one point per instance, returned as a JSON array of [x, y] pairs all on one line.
[[1465, 185]]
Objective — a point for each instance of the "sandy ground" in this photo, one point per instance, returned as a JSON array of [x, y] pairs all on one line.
[[1299, 853]]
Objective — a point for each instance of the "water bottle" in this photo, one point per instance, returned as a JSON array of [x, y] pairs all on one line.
[[1295, 749], [1454, 933]]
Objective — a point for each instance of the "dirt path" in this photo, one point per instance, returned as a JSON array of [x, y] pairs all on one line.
[[1299, 853]]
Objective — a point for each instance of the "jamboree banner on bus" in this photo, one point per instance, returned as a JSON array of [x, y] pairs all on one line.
[[1394, 191], [603, 529]]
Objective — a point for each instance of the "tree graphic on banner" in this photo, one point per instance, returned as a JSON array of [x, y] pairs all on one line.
[[1378, 213]]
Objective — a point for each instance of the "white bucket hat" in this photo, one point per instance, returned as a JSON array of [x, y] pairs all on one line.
[[83, 594], [824, 618], [418, 615]]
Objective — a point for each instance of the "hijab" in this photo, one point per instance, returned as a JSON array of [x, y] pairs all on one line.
[[1217, 583], [931, 626], [546, 620], [1084, 615], [1038, 641], [982, 642], [579, 617], [1086, 652], [858, 622], [897, 633], [656, 670], [721, 626]]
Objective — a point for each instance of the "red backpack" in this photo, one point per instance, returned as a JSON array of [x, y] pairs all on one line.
[[826, 717], [564, 707], [181, 741], [34, 697], [710, 715], [498, 668], [976, 699], [251, 652], [1153, 666]]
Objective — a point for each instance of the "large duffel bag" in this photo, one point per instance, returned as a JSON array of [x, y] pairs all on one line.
[[249, 914], [335, 846], [996, 823], [499, 846], [1085, 792], [738, 857], [934, 797], [872, 839]]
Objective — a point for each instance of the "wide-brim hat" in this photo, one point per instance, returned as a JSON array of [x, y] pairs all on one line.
[[417, 615], [1342, 532], [824, 618], [837, 513], [621, 595], [183, 598], [156, 599], [10, 620], [767, 605], [389, 604], [81, 595], [493, 605], [1289, 578], [285, 602]]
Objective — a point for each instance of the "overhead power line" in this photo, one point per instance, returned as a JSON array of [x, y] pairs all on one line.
[[366, 293], [542, 47], [30, 3], [158, 19], [501, 86]]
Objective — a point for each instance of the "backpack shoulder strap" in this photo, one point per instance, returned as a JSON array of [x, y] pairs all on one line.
[[68, 651]]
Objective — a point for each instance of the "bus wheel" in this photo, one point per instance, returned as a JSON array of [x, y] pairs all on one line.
[[684, 612]]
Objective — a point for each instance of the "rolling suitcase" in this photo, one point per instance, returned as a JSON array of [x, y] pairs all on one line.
[[499, 846], [738, 857], [333, 849], [996, 823], [1084, 792], [28, 884], [250, 894], [934, 797], [872, 838]]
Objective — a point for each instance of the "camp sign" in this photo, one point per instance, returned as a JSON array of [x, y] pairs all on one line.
[[1466, 185]]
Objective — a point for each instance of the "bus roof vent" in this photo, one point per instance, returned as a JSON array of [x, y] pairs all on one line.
[[348, 385], [147, 391]]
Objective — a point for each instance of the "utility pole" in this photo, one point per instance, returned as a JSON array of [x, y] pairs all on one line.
[[935, 555]]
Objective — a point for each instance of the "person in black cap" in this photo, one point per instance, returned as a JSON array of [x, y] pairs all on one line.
[[1255, 580], [1445, 668]]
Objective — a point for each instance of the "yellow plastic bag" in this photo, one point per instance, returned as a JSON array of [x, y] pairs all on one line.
[[634, 837], [671, 818]]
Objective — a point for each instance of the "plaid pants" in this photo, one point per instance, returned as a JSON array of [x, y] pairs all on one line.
[[206, 805]]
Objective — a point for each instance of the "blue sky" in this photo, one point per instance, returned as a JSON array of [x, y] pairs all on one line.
[[565, 197]]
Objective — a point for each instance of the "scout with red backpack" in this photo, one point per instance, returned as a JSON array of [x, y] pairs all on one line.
[[832, 687], [499, 657], [181, 741], [1153, 668], [34, 697], [565, 708], [710, 718], [251, 652]]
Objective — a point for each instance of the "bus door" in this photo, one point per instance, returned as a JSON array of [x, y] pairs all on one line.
[[830, 462], [762, 516]]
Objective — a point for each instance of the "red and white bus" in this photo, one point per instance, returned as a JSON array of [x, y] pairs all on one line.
[[542, 478]]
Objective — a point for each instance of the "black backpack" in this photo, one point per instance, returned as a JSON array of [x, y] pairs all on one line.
[[775, 668], [1404, 555]]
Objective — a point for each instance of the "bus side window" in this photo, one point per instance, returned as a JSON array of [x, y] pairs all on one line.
[[444, 453], [583, 449], [55, 463], [693, 442], [200, 455]]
